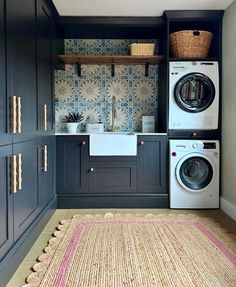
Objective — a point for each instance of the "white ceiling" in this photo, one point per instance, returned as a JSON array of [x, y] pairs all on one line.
[[133, 7]]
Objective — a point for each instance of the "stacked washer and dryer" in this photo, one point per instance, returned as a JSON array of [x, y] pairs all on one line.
[[194, 163]]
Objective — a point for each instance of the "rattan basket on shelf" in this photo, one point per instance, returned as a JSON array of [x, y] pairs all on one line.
[[142, 49], [190, 43]]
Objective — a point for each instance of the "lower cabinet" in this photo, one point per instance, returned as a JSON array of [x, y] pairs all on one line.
[[47, 170], [72, 164], [135, 181], [27, 185], [6, 201], [24, 185], [112, 176], [151, 164]]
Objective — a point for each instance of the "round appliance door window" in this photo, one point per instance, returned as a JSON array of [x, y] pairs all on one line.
[[195, 173], [194, 92]]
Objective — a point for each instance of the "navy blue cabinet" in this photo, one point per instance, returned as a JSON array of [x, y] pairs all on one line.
[[47, 172], [72, 164], [21, 67], [26, 189], [5, 135], [112, 176], [6, 202], [151, 164], [89, 181], [44, 69]]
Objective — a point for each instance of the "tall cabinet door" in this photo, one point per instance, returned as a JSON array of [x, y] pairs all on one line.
[[5, 135], [26, 196], [21, 66], [47, 172], [44, 58], [6, 201]]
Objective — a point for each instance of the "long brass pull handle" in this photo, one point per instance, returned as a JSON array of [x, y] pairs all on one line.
[[45, 158], [14, 115], [45, 112], [14, 174], [19, 115], [19, 171]]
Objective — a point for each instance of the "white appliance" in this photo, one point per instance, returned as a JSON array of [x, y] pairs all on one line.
[[148, 124], [193, 95], [194, 173]]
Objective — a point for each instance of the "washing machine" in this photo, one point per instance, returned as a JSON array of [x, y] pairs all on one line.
[[193, 95], [194, 173]]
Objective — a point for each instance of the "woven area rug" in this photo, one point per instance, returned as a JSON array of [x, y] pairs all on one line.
[[137, 251]]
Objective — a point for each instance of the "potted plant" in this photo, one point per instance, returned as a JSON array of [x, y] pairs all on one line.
[[72, 120]]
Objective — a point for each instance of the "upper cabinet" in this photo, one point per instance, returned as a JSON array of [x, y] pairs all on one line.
[[200, 21], [21, 67], [5, 135], [44, 69]]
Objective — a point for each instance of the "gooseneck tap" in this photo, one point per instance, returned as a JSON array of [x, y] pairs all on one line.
[[113, 113]]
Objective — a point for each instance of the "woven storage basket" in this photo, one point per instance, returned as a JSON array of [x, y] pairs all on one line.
[[190, 43], [137, 49]]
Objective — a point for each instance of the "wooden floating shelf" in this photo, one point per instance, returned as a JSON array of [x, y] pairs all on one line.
[[118, 60]]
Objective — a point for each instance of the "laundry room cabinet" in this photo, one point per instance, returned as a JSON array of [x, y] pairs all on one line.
[[21, 67], [45, 70], [111, 181], [5, 135], [46, 170], [72, 164], [151, 164], [25, 193], [6, 202]]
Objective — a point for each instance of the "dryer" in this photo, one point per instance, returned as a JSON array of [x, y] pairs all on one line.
[[193, 95], [194, 173]]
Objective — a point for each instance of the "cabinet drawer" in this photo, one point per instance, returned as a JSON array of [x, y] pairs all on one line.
[[112, 177]]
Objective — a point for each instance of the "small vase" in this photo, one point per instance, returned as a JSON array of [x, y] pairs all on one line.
[[72, 127]]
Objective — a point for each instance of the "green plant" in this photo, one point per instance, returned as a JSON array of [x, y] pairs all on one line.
[[73, 118]]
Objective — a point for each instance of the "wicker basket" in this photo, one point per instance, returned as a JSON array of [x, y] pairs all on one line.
[[190, 43], [137, 49]]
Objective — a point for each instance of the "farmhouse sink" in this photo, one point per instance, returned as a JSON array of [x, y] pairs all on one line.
[[113, 144]]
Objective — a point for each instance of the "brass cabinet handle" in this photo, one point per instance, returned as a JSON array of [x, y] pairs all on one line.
[[14, 115], [45, 113], [19, 114], [19, 171], [45, 158], [14, 174]]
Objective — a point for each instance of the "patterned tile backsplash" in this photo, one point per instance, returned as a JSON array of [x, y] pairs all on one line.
[[91, 94]]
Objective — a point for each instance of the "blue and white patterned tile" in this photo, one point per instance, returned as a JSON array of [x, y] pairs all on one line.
[[92, 93]]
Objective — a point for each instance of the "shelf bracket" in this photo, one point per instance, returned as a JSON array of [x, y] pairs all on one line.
[[146, 69], [78, 69], [112, 70]]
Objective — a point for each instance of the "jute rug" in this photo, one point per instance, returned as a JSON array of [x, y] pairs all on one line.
[[137, 251]]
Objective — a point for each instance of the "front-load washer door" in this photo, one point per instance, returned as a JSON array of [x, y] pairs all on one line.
[[195, 172], [194, 92]]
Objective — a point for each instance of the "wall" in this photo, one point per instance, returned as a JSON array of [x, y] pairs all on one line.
[[229, 112], [91, 94]]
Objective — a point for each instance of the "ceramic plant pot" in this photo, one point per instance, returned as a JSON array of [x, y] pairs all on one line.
[[72, 127]]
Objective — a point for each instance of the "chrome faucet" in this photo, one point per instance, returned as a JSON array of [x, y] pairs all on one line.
[[113, 114]]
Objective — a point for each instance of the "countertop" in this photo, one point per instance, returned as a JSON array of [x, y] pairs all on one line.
[[87, 134]]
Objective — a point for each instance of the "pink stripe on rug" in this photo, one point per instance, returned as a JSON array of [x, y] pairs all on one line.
[[216, 242], [68, 257]]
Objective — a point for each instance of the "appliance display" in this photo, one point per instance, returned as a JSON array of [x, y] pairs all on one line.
[[193, 95], [194, 173]]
